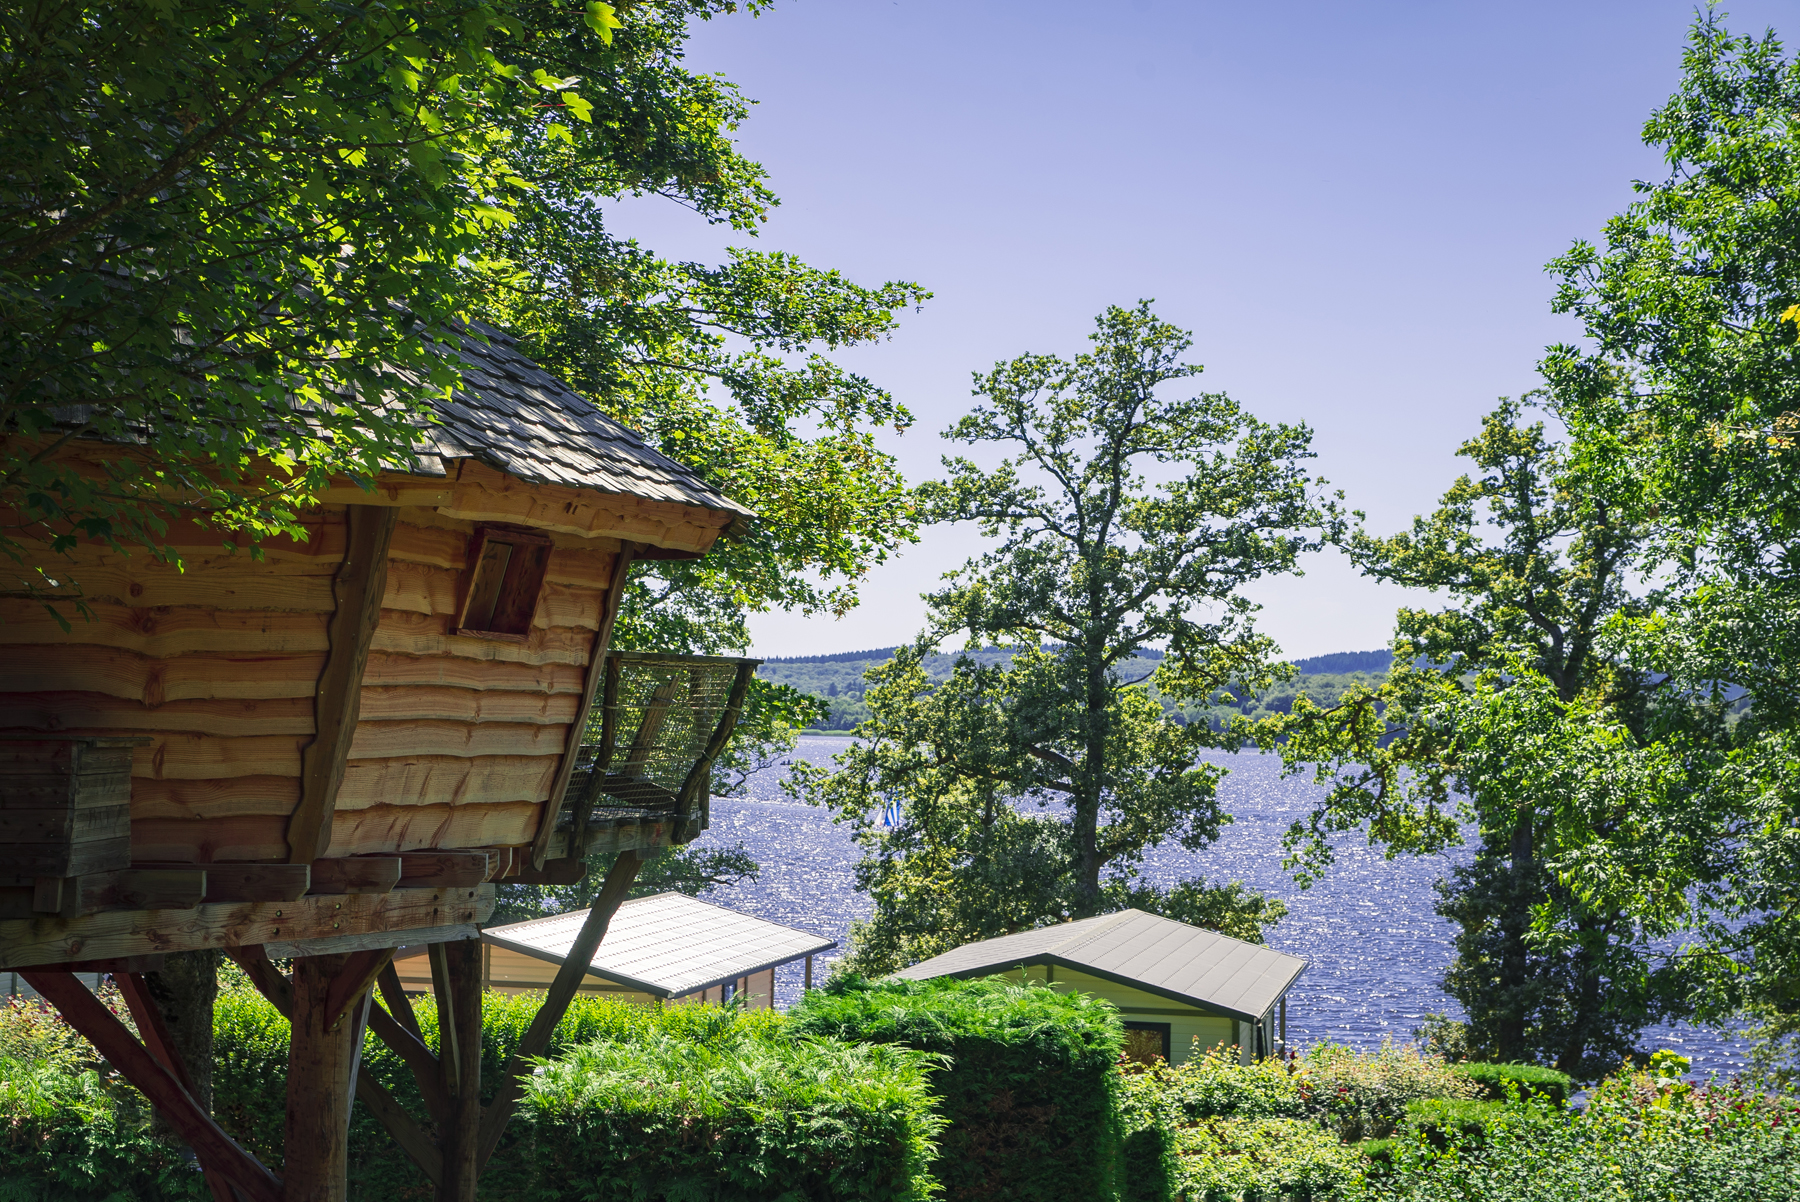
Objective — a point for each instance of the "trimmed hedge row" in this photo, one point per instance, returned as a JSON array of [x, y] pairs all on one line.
[[1499, 1082], [1028, 1089], [640, 1103]]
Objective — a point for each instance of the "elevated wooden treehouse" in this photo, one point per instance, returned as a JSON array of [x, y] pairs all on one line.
[[343, 745]]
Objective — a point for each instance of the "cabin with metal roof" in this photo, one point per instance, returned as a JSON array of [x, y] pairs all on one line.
[[341, 742], [1179, 987], [667, 947]]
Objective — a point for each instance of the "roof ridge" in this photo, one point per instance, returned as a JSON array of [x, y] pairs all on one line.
[[1094, 932]]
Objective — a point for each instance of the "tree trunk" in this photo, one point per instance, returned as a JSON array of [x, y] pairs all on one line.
[[184, 991], [1088, 782], [1587, 1002], [1515, 922]]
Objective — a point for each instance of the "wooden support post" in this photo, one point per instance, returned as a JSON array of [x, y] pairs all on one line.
[[216, 1150], [1284, 1042], [359, 1028], [318, 1088], [370, 1092], [574, 968], [449, 1054], [360, 582], [808, 972], [459, 1142]]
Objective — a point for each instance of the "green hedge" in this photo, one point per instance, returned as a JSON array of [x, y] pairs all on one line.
[[734, 1119], [1029, 1089], [766, 1112], [1500, 1082]]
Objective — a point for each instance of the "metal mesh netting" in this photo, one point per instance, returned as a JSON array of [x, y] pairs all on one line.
[[651, 739]]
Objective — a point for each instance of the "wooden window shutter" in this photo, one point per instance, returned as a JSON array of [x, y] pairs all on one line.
[[505, 579]]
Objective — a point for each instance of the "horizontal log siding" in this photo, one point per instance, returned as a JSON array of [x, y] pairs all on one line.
[[458, 739]]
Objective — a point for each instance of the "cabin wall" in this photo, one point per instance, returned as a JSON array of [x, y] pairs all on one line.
[[1191, 1028], [458, 738], [216, 663]]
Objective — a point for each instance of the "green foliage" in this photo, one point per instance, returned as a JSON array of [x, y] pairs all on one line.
[[1684, 393], [1233, 1158], [1026, 786], [1529, 731], [70, 1128], [1640, 1139], [1027, 1087], [1501, 1082], [259, 319], [1445, 1121], [732, 1118]]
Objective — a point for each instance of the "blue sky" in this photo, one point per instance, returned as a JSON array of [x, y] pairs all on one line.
[[1349, 204]]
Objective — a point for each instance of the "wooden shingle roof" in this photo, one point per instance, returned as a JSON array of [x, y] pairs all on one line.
[[513, 415], [1155, 954]]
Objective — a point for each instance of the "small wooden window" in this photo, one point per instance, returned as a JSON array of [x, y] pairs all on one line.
[[506, 575]]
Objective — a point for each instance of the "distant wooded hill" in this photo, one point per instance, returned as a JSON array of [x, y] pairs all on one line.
[[839, 680]]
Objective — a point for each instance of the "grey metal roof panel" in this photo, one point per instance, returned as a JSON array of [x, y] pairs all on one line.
[[1159, 954], [668, 944]]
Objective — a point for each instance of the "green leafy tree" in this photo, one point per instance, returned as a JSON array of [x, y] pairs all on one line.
[[1506, 712], [1688, 389], [227, 232], [1030, 790]]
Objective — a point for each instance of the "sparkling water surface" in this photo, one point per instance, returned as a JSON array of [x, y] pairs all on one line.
[[1375, 947]]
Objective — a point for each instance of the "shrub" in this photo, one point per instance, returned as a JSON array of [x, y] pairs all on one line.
[[1028, 1087], [74, 1133], [733, 1118], [1500, 1082], [1364, 1095], [1233, 1158], [71, 1131], [1213, 1084], [1446, 1121], [1643, 1138]]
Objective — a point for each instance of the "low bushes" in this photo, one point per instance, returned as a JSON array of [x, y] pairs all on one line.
[[1500, 1082], [1642, 1138], [732, 1118], [1028, 1086], [701, 1103], [1365, 1095], [72, 1131], [1215, 1128]]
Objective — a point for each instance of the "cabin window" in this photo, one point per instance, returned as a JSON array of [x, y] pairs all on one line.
[[506, 575], [1147, 1042]]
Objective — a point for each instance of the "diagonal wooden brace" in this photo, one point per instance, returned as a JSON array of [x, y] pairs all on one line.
[[157, 1041], [217, 1151], [574, 968]]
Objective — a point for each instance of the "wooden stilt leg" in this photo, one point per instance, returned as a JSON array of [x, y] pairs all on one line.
[[155, 1034], [460, 1136], [215, 1149], [318, 1088], [556, 1003], [407, 1133]]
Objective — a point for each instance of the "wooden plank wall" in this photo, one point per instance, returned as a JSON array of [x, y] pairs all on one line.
[[458, 737]]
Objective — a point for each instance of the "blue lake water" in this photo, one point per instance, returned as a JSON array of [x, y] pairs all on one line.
[[1375, 947]]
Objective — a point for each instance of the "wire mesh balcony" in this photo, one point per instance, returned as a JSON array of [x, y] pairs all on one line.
[[660, 723]]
